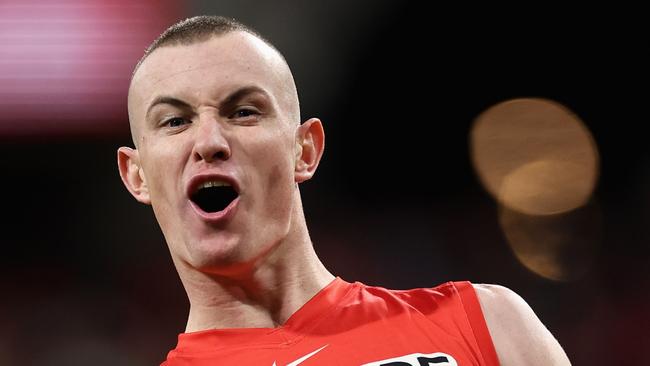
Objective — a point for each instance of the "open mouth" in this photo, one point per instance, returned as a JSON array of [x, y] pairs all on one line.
[[214, 196]]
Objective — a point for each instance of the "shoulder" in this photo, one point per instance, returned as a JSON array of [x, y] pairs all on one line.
[[518, 335]]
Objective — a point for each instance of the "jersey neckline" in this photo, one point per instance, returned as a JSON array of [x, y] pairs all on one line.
[[307, 317]]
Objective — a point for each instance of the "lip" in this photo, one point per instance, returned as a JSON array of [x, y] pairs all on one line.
[[212, 217]]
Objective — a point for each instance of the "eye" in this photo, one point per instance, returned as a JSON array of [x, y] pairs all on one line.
[[175, 122], [244, 112]]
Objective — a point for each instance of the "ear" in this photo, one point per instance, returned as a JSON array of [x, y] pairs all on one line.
[[310, 143], [128, 161]]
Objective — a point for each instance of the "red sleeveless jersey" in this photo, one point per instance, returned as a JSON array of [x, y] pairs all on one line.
[[354, 324]]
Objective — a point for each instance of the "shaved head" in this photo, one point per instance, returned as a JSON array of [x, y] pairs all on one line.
[[198, 30]]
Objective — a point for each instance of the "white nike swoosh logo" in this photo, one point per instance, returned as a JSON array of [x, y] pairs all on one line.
[[303, 358]]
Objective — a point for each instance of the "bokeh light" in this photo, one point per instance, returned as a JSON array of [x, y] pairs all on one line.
[[540, 162], [65, 65], [557, 247], [546, 187], [534, 156]]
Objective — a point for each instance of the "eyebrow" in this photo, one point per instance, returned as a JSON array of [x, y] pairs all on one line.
[[230, 99], [165, 99], [242, 92]]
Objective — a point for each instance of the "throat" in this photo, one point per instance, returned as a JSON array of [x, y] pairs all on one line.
[[231, 305]]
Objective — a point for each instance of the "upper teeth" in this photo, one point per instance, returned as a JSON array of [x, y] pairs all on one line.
[[214, 184]]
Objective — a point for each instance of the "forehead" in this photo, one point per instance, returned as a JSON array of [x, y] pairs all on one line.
[[221, 62]]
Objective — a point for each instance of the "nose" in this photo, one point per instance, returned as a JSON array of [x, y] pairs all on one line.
[[210, 144]]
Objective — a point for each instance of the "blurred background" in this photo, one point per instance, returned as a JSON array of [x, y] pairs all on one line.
[[497, 149]]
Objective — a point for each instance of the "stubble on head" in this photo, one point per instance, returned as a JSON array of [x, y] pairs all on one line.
[[136, 101]]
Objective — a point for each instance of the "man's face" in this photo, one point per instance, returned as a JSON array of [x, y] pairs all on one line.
[[215, 127]]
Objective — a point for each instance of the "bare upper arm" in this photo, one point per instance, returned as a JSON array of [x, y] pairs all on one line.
[[518, 335]]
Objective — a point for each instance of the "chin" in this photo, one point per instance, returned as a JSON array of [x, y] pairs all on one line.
[[220, 257]]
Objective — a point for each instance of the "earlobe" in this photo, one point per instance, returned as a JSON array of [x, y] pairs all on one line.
[[128, 162], [310, 144]]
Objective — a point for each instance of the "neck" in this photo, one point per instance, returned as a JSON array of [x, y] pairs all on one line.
[[264, 296]]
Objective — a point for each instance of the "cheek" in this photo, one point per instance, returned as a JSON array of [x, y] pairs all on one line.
[[267, 151], [278, 188], [270, 168], [163, 169], [278, 185], [162, 172], [274, 161]]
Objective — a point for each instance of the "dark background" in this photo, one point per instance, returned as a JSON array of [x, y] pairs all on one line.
[[85, 276]]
